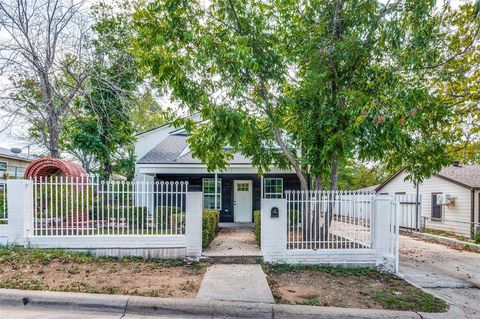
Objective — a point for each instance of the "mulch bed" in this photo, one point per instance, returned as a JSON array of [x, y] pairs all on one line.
[[57, 270], [347, 287]]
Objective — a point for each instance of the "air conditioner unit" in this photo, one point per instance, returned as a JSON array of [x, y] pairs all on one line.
[[444, 199]]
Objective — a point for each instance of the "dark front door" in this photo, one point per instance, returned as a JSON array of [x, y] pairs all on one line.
[[436, 209]]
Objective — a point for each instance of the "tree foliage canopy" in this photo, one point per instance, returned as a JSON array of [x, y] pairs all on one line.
[[303, 84]]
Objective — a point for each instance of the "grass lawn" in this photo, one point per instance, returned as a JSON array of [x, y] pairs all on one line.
[[60, 270], [347, 287], [447, 234]]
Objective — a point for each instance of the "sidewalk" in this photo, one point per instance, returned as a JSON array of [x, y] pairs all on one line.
[[245, 283]]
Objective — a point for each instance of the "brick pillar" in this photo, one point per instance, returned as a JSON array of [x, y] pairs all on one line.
[[193, 227], [383, 232], [274, 230], [20, 211]]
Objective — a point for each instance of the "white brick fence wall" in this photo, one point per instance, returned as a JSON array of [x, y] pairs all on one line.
[[30, 223], [363, 229]]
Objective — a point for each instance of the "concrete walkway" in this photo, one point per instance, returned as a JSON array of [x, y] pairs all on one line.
[[246, 283], [234, 239], [448, 273]]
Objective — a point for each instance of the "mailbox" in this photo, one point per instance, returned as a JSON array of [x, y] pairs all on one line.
[[274, 213]]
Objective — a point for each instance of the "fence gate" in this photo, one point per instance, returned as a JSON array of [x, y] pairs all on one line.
[[409, 210], [329, 220]]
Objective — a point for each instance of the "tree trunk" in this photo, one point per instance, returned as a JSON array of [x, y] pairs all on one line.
[[53, 136], [318, 183], [327, 222], [107, 169], [334, 176]]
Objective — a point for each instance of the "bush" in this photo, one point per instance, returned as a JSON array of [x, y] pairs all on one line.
[[257, 217], [477, 237], [168, 216], [2, 206], [210, 220], [135, 214]]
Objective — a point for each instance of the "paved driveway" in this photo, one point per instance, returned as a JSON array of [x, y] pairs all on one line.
[[451, 274]]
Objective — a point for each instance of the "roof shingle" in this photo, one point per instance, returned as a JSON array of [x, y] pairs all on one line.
[[169, 151], [468, 175]]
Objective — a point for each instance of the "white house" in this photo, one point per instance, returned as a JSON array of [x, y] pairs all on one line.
[[163, 154], [450, 199]]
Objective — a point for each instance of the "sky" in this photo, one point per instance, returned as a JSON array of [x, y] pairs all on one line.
[[11, 137]]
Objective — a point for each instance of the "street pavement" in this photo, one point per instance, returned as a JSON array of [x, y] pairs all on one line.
[[450, 274]]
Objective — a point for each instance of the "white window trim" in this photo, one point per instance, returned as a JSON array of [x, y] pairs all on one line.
[[219, 192], [265, 194]]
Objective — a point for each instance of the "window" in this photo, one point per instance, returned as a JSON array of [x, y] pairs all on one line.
[[436, 209], [3, 166], [209, 193], [273, 187], [243, 187]]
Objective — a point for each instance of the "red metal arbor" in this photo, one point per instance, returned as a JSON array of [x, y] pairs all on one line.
[[46, 167]]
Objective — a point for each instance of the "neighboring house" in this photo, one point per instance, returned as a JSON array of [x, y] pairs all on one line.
[[450, 199], [368, 188], [163, 155], [14, 164]]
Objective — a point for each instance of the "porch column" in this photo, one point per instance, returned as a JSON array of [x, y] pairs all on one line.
[[216, 181], [261, 187]]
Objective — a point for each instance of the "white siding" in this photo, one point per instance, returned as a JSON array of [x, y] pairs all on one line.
[[455, 219], [144, 143], [398, 184]]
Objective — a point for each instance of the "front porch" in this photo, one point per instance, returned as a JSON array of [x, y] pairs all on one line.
[[235, 243], [236, 195]]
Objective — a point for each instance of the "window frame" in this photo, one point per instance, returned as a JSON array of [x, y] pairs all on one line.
[[269, 195], [6, 166], [436, 219], [219, 194]]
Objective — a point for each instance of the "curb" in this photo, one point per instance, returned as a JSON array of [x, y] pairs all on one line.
[[449, 242], [151, 306]]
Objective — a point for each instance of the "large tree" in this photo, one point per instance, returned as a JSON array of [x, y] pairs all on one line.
[[459, 80], [43, 62], [100, 132], [304, 84]]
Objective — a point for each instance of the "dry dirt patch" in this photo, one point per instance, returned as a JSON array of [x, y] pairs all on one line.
[[347, 287], [63, 271]]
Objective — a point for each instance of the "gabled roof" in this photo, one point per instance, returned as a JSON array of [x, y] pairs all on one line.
[[368, 188], [174, 150], [195, 116], [467, 176], [4, 152]]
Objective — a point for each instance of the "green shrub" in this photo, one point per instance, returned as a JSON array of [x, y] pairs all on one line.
[[210, 220], [136, 215], [257, 217], [165, 218], [477, 237], [3, 204]]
